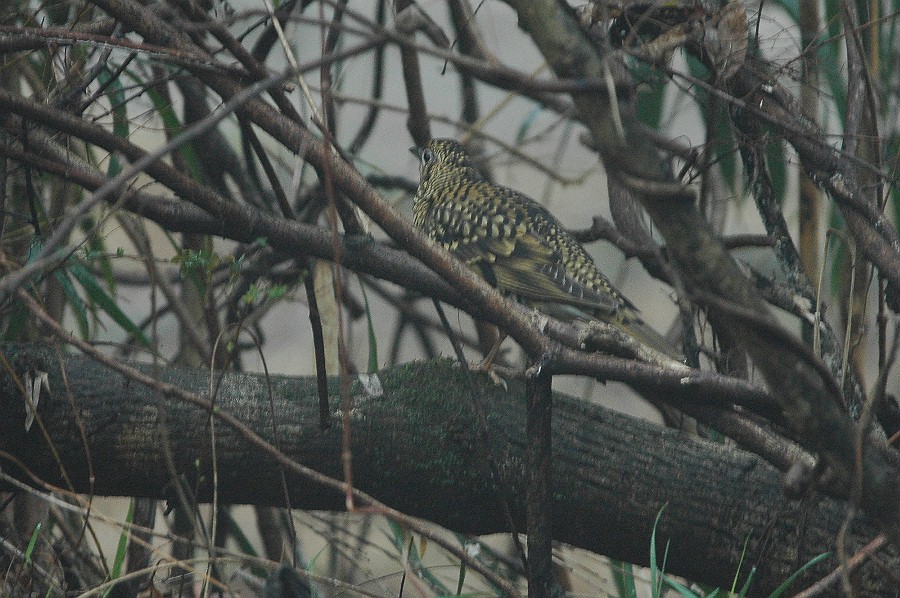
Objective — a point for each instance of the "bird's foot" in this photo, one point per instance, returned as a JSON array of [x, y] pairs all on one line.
[[487, 367], [489, 371], [487, 364]]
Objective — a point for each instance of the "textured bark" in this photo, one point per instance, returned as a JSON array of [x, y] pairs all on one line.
[[417, 448]]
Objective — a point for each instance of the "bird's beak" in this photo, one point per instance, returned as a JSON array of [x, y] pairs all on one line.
[[416, 151]]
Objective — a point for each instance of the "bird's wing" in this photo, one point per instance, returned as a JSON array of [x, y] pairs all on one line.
[[528, 267], [513, 258]]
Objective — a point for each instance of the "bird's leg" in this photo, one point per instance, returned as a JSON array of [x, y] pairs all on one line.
[[487, 364], [488, 361]]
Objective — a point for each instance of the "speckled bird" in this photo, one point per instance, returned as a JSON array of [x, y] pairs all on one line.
[[516, 244]]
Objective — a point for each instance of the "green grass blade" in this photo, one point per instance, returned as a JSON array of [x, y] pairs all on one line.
[[121, 548], [654, 569], [787, 582], [682, 590], [461, 578], [737, 573], [32, 542], [623, 577]]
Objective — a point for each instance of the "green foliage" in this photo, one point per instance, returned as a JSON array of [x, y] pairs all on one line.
[[405, 545], [892, 148], [122, 547], [655, 569], [658, 578], [373, 340], [776, 163], [527, 122], [721, 137], [623, 577], [245, 546], [97, 253], [76, 271], [32, 542], [79, 310], [121, 125], [829, 51], [651, 102], [100, 299], [256, 294], [198, 266], [787, 582], [16, 318], [174, 126]]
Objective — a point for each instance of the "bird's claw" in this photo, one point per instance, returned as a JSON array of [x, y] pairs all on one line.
[[486, 367], [497, 380]]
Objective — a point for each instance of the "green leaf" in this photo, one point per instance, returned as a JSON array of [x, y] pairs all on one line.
[[777, 165], [244, 545], [836, 223], [197, 265], [892, 148], [403, 541], [650, 104], [722, 135], [276, 291], [99, 297], [96, 252], [173, 125], [78, 308], [116, 95], [737, 574], [251, 295], [461, 579], [830, 61], [373, 341], [745, 589], [725, 154], [527, 122], [17, 317], [791, 7]]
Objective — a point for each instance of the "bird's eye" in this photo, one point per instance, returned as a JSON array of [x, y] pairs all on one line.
[[427, 157]]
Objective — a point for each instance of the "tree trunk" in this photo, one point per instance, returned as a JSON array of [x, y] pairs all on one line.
[[417, 447]]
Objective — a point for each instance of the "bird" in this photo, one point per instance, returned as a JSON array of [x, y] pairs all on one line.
[[518, 246]]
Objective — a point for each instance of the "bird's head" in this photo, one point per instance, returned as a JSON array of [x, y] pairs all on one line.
[[441, 159]]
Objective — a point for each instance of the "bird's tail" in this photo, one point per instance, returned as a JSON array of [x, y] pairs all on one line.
[[627, 320], [631, 323]]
